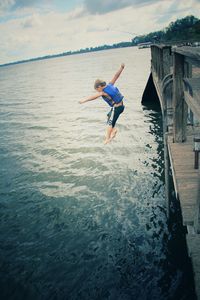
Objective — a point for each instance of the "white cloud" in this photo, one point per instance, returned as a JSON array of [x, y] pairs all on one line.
[[34, 34], [105, 6], [6, 4], [32, 21]]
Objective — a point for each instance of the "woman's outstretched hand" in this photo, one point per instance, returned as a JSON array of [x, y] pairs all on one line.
[[81, 101]]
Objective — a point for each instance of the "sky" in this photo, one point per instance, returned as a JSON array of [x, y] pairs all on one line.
[[33, 28]]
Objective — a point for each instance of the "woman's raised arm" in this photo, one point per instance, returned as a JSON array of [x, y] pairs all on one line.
[[117, 74]]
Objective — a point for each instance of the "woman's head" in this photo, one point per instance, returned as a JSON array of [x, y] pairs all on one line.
[[99, 84]]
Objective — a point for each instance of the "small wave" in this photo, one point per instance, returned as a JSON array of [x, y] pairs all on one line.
[[38, 127]]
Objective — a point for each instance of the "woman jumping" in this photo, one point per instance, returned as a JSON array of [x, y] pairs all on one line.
[[113, 98]]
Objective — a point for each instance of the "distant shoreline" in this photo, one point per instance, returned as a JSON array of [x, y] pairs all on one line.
[[81, 51]]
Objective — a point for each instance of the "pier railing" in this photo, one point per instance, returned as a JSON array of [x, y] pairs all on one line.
[[161, 60], [186, 90], [176, 77]]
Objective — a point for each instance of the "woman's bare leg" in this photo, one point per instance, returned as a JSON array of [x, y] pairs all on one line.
[[108, 134]]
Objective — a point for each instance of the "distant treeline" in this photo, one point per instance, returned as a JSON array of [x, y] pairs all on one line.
[[186, 29]]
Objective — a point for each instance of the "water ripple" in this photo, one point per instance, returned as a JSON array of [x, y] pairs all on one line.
[[80, 219]]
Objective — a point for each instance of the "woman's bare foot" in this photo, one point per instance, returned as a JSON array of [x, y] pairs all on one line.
[[113, 134], [106, 141]]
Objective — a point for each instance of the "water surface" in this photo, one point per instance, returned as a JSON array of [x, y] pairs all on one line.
[[81, 220]]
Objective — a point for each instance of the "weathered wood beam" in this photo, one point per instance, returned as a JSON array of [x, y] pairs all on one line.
[[179, 105], [197, 212], [190, 52]]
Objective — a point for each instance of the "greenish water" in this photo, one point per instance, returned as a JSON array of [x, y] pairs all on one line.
[[81, 220]]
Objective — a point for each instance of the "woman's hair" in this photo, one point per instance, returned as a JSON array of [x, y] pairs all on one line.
[[98, 83]]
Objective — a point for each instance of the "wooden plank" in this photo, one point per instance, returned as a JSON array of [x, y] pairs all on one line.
[[193, 103], [194, 83], [158, 89], [196, 71], [191, 52], [193, 245], [167, 168], [197, 209], [192, 94], [161, 46], [193, 61], [188, 216], [167, 61], [185, 177]]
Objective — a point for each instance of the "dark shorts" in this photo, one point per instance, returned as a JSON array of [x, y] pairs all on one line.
[[114, 114]]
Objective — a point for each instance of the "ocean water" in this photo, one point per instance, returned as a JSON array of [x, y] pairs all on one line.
[[80, 219]]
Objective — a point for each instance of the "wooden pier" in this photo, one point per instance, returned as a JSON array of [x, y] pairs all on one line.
[[175, 73]]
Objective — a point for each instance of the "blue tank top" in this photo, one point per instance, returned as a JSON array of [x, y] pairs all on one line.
[[114, 93]]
